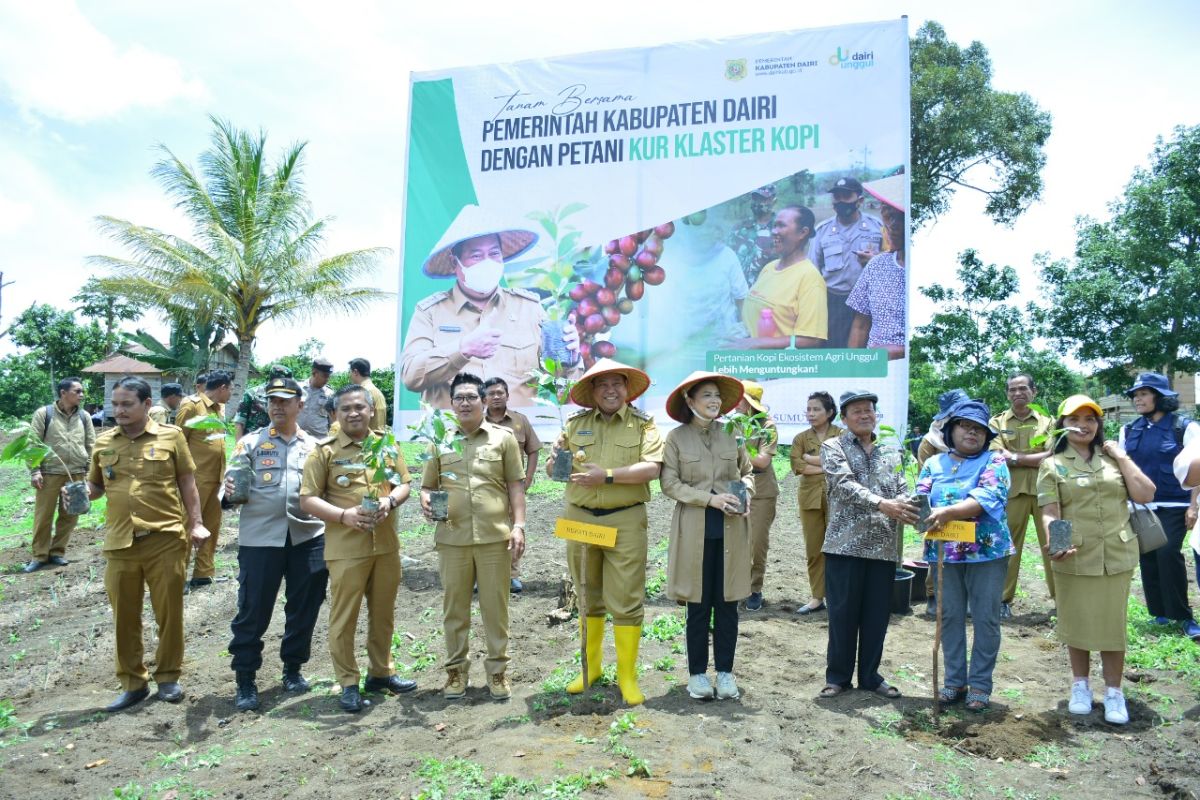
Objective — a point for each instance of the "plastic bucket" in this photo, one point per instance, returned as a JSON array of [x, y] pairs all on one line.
[[919, 569], [902, 592]]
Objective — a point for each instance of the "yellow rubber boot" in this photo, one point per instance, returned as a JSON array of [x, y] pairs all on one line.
[[593, 629], [628, 639]]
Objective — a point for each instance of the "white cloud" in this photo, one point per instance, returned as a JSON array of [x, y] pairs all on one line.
[[55, 63]]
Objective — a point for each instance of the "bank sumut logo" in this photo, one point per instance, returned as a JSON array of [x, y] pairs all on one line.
[[857, 59], [735, 69]]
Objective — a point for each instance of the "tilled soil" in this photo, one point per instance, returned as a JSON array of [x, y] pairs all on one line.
[[776, 741]]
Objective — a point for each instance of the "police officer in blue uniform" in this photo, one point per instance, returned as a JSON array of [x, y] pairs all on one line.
[[841, 247]]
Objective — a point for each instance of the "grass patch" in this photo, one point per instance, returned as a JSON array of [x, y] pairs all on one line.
[[665, 627], [461, 778], [1163, 648]]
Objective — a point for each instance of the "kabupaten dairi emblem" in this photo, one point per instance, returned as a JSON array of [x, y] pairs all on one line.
[[735, 69]]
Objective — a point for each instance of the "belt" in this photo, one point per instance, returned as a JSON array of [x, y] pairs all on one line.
[[604, 512]]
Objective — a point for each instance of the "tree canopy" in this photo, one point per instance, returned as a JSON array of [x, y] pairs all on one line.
[[254, 254], [967, 135], [1131, 296]]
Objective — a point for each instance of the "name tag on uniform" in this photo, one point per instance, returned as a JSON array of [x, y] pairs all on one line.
[[957, 531], [586, 532], [584, 433], [450, 328]]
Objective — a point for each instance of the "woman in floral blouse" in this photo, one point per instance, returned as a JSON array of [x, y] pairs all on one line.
[[969, 483]]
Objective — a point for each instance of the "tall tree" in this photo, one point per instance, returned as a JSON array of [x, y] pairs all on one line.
[[57, 343], [109, 309], [977, 339], [254, 252], [1131, 296], [967, 135]]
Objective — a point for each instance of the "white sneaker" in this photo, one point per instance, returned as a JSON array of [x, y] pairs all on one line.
[[1081, 698], [726, 688], [699, 687], [1114, 707]]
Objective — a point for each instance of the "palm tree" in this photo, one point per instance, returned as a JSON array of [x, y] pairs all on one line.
[[253, 257]]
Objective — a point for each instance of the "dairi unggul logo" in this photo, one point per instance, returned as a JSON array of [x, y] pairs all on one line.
[[735, 69], [859, 59]]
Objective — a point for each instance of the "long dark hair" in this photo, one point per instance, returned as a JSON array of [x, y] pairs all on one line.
[[1095, 444]]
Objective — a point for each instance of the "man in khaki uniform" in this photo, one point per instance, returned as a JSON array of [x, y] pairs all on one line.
[[495, 396], [170, 396], [478, 325], [361, 548], [360, 375], [622, 452], [1018, 426], [146, 471], [766, 493], [208, 452], [477, 544], [198, 388], [68, 432]]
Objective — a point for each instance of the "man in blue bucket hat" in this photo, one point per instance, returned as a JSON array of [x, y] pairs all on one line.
[[1152, 441]]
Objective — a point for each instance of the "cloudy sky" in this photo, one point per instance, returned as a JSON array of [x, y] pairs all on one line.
[[89, 89]]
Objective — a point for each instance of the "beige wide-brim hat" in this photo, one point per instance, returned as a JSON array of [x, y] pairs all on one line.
[[892, 190], [730, 388], [582, 394], [471, 223], [753, 396]]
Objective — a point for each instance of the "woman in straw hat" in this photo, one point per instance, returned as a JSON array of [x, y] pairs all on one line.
[[618, 452], [1089, 482], [708, 562], [878, 297]]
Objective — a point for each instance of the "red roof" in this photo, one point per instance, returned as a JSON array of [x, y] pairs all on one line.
[[124, 365]]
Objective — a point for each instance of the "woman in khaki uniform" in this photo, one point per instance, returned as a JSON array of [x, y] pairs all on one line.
[[766, 491], [1089, 482], [814, 506], [708, 560]]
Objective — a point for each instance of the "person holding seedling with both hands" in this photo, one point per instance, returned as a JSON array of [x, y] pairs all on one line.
[[707, 472], [1088, 483], [353, 481], [481, 536]]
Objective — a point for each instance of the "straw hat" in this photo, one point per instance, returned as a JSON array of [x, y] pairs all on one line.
[[471, 223], [892, 190], [581, 392], [753, 396], [731, 392]]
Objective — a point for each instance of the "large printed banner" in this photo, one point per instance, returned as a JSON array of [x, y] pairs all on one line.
[[733, 205]]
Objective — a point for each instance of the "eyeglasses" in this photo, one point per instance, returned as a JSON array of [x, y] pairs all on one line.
[[465, 398]]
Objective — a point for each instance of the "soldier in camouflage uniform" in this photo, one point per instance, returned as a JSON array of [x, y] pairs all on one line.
[[751, 241]]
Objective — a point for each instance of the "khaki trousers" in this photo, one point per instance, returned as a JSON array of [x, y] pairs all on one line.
[[210, 514], [158, 560], [762, 515], [45, 504], [616, 576], [813, 522], [1020, 509], [461, 568], [350, 580]]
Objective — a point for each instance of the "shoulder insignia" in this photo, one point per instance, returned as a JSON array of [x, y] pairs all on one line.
[[579, 413], [524, 293], [433, 300], [826, 223], [327, 440], [642, 415]]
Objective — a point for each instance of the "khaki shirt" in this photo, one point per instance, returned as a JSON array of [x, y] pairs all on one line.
[[628, 438], [158, 414], [807, 443], [932, 443], [313, 418], [70, 437], [1015, 435], [273, 510], [766, 484], [333, 472], [141, 478], [527, 440], [207, 447], [379, 406], [477, 481], [1092, 495], [431, 357]]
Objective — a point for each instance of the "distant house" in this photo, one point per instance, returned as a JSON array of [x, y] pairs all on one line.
[[118, 366]]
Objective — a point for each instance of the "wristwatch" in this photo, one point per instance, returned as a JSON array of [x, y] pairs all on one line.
[[608, 476]]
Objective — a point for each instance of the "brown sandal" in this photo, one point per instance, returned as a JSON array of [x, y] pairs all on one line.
[[887, 690], [830, 690]]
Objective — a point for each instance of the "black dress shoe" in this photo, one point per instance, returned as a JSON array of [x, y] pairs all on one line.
[[351, 701], [127, 699], [293, 681], [59, 561], [33, 566], [393, 683], [196, 583], [170, 692]]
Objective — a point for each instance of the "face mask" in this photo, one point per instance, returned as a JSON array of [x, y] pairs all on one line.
[[484, 276], [845, 209]]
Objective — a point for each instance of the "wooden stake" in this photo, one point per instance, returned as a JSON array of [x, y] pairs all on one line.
[[583, 603], [937, 631]]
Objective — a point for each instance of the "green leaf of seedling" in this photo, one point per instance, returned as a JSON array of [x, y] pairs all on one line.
[[1038, 408], [208, 423], [887, 429], [1039, 440], [15, 448]]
